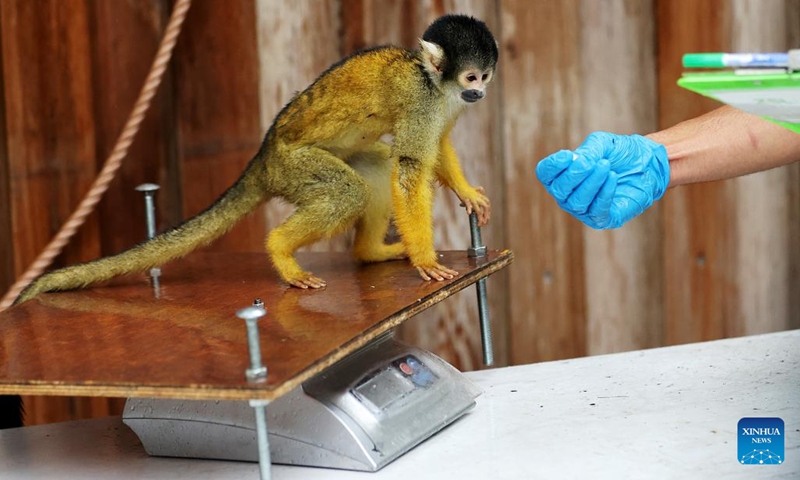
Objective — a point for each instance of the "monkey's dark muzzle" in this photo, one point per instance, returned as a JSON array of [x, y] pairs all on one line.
[[472, 96]]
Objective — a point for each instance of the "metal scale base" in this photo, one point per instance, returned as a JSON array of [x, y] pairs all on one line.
[[360, 414]]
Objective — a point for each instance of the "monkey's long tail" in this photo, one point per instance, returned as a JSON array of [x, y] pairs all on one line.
[[238, 201]]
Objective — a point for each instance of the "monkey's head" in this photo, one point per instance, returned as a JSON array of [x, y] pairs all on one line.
[[460, 54]]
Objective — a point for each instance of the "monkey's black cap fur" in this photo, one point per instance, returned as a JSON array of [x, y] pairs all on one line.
[[464, 39]]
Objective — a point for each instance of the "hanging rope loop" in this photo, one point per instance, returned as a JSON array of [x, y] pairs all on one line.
[[114, 160]]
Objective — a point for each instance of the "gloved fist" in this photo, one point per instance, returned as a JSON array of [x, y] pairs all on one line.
[[608, 180]]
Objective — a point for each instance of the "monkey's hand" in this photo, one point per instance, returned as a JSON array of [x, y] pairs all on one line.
[[476, 201], [435, 272]]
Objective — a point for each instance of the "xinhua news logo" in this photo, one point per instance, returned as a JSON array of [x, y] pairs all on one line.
[[761, 441]]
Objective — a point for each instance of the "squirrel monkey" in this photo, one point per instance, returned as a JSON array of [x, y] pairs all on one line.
[[324, 153]]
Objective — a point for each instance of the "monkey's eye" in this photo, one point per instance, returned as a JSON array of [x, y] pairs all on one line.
[[485, 76], [471, 77]]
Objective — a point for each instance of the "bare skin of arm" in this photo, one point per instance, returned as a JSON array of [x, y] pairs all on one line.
[[725, 143]]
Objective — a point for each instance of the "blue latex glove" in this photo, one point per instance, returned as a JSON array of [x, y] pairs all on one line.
[[608, 180]]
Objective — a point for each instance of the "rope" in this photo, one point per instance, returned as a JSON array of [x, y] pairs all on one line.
[[114, 160]]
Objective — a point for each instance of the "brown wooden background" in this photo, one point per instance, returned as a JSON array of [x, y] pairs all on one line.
[[710, 261]]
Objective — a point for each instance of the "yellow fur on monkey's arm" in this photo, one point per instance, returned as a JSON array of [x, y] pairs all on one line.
[[412, 195], [448, 171]]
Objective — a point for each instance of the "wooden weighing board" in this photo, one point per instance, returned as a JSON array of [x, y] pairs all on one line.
[[117, 340]]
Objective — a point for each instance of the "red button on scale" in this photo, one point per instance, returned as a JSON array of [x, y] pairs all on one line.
[[405, 368]]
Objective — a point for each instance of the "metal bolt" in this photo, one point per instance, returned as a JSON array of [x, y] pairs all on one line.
[[149, 190], [486, 326], [257, 371], [478, 249], [262, 435]]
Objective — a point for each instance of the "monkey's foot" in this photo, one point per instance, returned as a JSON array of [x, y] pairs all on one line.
[[435, 272], [289, 270], [381, 253], [306, 280]]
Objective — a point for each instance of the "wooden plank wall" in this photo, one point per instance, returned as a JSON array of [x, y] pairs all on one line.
[[730, 247], [618, 72], [710, 261]]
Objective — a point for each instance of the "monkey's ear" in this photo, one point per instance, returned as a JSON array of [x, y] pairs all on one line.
[[433, 56]]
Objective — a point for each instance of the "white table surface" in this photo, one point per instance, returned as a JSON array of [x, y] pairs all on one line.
[[662, 413]]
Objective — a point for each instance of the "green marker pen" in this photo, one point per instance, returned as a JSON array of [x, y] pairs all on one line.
[[736, 60]]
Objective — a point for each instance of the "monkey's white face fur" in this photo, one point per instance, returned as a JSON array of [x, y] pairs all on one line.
[[471, 82]]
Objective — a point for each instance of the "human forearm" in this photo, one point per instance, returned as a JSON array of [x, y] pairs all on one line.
[[724, 144]]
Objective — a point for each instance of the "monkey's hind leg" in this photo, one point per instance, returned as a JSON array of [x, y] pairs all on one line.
[[369, 245], [329, 195]]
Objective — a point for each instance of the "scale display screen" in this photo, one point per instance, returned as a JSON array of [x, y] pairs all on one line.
[[383, 387]]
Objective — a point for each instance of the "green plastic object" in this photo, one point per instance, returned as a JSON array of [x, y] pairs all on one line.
[[774, 96], [703, 60]]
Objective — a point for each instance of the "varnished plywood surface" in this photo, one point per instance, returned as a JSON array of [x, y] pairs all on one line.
[[118, 340]]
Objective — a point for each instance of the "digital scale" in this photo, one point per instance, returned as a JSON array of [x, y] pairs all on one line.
[[360, 414]]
